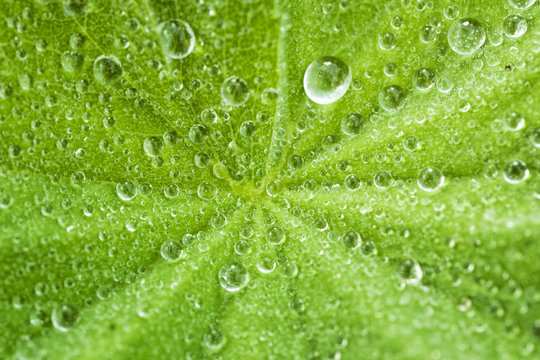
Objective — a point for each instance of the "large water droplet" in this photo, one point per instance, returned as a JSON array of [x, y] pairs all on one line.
[[64, 317], [275, 235], [153, 146], [233, 277], [466, 35], [171, 250], [351, 240], [430, 179], [387, 41], [74, 7], [410, 271], [235, 91], [522, 4], [127, 190], [392, 98], [423, 79], [207, 190], [107, 68], [177, 38], [514, 26], [515, 172], [327, 79]]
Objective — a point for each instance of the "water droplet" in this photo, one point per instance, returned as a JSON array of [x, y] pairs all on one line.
[[535, 137], [207, 190], [209, 116], [387, 41], [444, 84], [275, 235], [410, 143], [514, 121], [430, 179], [289, 269], [202, 159], [71, 62], [466, 35], [514, 26], [382, 179], [127, 190], [233, 277], [64, 317], [214, 339], [368, 248], [352, 124], [74, 7], [177, 38], [107, 68], [428, 34], [522, 4], [410, 271], [392, 98], [198, 134], [266, 264], [327, 79], [171, 191], [423, 79], [235, 91], [351, 240], [274, 188], [515, 172], [153, 146], [171, 250], [171, 138], [390, 69], [352, 182]]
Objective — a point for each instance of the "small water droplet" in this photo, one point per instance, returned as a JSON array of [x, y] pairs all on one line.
[[127, 190], [171, 250], [514, 26], [107, 68], [153, 146], [64, 317], [392, 98]]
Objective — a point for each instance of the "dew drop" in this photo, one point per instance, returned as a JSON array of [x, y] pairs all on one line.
[[514, 26], [352, 124], [233, 277], [274, 188], [275, 235], [266, 264], [410, 271], [387, 41], [514, 121], [352, 182], [423, 79], [430, 179], [392, 98], [535, 137], [171, 250], [71, 62], [351, 240], [235, 91], [382, 179], [177, 38], [214, 339], [327, 79], [466, 35], [153, 146], [202, 159], [64, 317], [74, 7], [207, 190], [515, 172], [522, 4], [171, 191], [127, 190], [107, 68]]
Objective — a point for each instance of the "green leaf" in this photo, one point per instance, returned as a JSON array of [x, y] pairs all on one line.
[[169, 190]]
